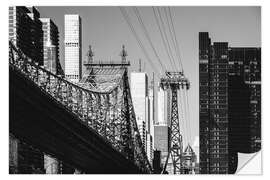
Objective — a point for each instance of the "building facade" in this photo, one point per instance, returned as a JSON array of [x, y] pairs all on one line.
[[157, 162], [139, 94], [151, 111], [51, 46], [245, 64], [229, 120], [149, 147], [163, 107], [204, 56], [73, 47], [161, 143], [25, 31], [150, 124]]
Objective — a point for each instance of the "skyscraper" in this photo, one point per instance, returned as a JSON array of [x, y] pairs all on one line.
[[163, 107], [245, 64], [36, 35], [73, 47], [151, 110], [204, 56], [229, 113], [51, 45], [150, 123], [213, 65], [161, 126], [25, 31], [139, 94]]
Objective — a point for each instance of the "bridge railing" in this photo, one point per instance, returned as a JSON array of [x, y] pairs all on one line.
[[104, 112]]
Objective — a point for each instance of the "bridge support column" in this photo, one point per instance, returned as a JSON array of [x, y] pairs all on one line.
[[51, 165], [13, 155], [77, 171]]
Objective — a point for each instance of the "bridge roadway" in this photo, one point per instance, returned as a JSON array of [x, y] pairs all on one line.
[[40, 120]]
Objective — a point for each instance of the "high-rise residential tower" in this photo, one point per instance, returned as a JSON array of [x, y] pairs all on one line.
[[245, 64], [229, 104], [73, 47], [213, 66]]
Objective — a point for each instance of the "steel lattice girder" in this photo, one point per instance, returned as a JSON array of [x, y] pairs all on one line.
[[173, 82], [109, 112], [175, 138]]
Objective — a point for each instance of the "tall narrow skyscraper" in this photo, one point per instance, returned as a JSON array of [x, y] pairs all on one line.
[[151, 111], [73, 47], [163, 108], [150, 122], [139, 94], [161, 127], [213, 65]]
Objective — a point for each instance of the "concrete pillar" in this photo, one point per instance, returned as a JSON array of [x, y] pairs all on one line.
[[77, 171], [51, 165], [13, 155]]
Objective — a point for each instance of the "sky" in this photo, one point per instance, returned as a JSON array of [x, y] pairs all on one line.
[[106, 30]]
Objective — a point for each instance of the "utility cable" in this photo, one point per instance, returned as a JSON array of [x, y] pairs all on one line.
[[166, 37], [127, 19], [163, 39], [177, 44], [172, 35], [148, 36]]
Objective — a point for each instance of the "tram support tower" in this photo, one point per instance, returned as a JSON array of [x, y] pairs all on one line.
[[174, 81]]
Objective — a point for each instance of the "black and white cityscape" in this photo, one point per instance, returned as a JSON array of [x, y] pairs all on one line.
[[134, 90]]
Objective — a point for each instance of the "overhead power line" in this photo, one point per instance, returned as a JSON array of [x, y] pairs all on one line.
[[126, 17], [163, 39], [137, 12], [177, 44], [172, 35], [166, 37]]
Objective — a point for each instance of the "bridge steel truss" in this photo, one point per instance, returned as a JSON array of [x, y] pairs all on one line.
[[110, 112]]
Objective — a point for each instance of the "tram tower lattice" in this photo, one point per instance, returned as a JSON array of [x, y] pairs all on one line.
[[174, 81]]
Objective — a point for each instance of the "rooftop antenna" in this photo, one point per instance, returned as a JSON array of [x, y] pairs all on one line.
[[89, 55], [144, 66], [153, 80], [123, 54], [140, 65], [154, 106]]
